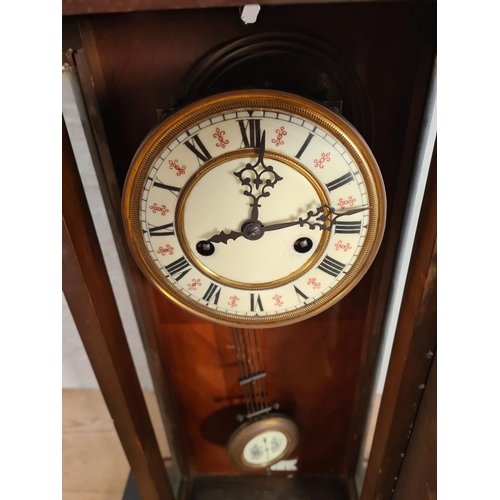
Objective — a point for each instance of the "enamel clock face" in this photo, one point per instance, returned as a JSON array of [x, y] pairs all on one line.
[[265, 447], [254, 208], [263, 442]]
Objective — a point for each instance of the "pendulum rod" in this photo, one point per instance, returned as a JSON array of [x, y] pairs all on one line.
[[251, 374], [259, 368], [251, 371], [257, 383], [249, 381], [241, 369]]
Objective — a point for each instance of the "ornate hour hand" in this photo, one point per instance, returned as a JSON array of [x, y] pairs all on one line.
[[257, 180], [324, 218]]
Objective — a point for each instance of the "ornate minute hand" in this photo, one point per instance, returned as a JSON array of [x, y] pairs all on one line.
[[325, 222], [252, 179], [255, 231]]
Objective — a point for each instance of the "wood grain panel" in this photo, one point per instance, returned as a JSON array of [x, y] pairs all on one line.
[[310, 372], [71, 7]]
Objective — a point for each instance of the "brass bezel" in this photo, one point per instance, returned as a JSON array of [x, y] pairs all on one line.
[[247, 431], [270, 100], [244, 153]]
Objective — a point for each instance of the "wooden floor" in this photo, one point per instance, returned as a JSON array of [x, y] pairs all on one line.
[[94, 464]]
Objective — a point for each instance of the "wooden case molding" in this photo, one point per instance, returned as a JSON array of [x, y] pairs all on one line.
[[130, 65], [90, 298], [412, 356]]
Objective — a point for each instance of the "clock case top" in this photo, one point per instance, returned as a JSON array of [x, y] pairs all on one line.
[[320, 371]]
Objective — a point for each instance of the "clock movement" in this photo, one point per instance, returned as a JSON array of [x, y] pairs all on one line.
[[257, 176]]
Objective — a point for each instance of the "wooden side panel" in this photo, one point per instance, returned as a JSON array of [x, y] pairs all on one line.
[[90, 297], [418, 476], [316, 369], [411, 358]]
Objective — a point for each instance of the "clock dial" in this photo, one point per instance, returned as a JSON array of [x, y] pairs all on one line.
[[265, 448], [259, 443], [256, 208]]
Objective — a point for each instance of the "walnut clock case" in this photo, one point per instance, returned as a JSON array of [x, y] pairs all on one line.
[[319, 362]]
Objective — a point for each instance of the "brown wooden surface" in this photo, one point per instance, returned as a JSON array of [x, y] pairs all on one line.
[[318, 370], [103, 165], [411, 358], [407, 135], [76, 7], [303, 487], [90, 298], [417, 478]]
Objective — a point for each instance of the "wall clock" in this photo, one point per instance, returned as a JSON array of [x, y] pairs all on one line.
[[254, 208], [319, 370]]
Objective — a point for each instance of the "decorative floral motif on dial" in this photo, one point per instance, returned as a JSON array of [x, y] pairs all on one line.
[[168, 249], [275, 444], [319, 162], [219, 135], [281, 133], [343, 203], [341, 246], [174, 164], [277, 300], [155, 208], [233, 301], [256, 452], [312, 282], [194, 283]]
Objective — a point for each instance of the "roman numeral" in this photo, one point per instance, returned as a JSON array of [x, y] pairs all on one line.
[[213, 293], [343, 227], [345, 179], [255, 302], [300, 293], [179, 268], [159, 230], [250, 132], [174, 190], [331, 266], [304, 146], [198, 148]]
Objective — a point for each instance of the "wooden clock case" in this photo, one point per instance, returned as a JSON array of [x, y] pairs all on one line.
[[370, 61]]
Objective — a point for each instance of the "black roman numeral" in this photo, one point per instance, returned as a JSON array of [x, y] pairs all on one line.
[[159, 230], [331, 266], [345, 179], [213, 293], [198, 148], [304, 146], [300, 293], [174, 190], [179, 268], [255, 302], [343, 227], [250, 132]]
